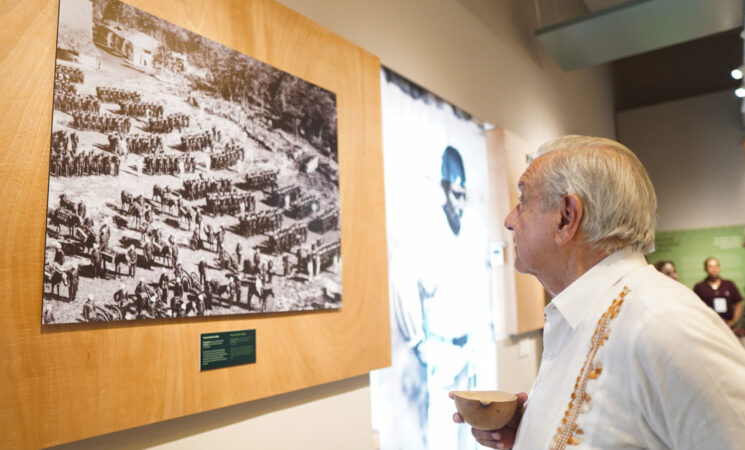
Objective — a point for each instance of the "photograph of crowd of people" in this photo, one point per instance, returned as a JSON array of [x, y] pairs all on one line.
[[186, 179]]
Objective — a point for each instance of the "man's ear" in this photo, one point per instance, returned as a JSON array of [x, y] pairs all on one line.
[[570, 218]]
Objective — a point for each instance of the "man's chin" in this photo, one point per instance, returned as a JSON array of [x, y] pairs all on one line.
[[519, 266]]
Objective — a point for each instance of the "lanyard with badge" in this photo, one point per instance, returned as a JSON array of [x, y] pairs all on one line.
[[720, 304]]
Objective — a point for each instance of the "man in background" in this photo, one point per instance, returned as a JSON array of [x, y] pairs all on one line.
[[720, 295]]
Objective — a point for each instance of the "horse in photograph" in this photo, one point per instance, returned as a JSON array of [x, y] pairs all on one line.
[[134, 207], [185, 212], [128, 257], [62, 217], [54, 276], [86, 236], [171, 202], [221, 292], [137, 212], [161, 192], [166, 198], [126, 198], [212, 235], [162, 250]]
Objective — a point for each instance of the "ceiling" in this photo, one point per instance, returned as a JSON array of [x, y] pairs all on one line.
[[696, 67], [658, 50]]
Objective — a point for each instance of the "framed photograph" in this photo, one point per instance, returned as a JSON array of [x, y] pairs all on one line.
[[317, 136], [185, 179]]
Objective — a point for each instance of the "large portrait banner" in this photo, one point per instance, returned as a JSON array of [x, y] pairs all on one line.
[[442, 334], [186, 179]]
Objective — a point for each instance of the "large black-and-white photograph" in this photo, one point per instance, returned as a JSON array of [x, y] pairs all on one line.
[[186, 179]]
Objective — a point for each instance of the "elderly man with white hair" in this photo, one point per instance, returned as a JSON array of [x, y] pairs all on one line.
[[632, 359]]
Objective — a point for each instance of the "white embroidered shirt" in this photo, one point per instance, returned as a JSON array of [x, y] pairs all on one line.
[[673, 374]]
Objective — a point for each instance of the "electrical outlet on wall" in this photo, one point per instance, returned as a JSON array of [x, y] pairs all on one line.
[[497, 254]]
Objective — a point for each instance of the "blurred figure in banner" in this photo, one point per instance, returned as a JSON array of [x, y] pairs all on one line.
[[667, 267], [720, 295], [441, 316]]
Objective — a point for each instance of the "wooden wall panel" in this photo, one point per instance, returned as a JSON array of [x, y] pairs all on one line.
[[67, 382], [522, 297]]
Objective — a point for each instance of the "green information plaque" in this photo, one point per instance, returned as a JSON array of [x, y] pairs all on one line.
[[227, 349]]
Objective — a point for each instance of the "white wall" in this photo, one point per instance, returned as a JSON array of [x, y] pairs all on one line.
[[479, 55], [333, 416], [693, 150]]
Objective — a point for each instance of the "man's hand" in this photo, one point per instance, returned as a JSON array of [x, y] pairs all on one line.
[[503, 438]]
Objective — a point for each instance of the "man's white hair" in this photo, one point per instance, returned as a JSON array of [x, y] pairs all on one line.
[[616, 193]]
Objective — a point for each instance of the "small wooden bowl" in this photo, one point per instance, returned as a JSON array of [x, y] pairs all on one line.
[[485, 410]]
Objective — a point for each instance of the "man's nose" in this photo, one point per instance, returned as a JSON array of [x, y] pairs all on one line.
[[509, 220]]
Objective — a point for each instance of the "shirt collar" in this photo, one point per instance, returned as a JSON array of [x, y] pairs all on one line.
[[576, 300]]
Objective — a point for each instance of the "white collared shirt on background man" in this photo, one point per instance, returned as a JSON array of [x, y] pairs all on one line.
[[673, 374]]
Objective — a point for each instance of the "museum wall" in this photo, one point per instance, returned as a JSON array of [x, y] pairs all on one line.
[[479, 55], [332, 416], [693, 150], [70, 381]]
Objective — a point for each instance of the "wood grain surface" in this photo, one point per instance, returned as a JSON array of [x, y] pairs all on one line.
[[522, 296], [67, 382]]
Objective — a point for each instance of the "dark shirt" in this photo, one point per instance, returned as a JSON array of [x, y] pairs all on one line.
[[727, 290]]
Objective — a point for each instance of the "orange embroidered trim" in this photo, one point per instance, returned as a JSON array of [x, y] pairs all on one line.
[[569, 433]]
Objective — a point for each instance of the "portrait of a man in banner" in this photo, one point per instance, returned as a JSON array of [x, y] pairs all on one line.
[[441, 316]]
